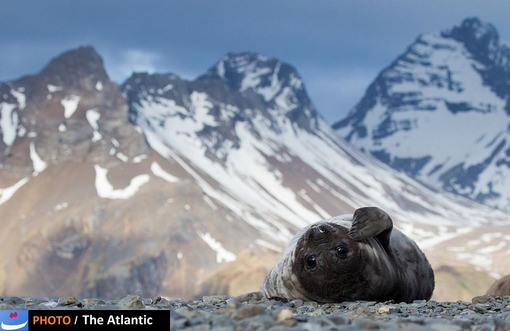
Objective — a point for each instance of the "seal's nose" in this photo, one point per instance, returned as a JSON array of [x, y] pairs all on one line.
[[319, 232]]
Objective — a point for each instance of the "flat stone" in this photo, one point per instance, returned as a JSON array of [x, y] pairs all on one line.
[[69, 301], [483, 299], [131, 301], [214, 298]]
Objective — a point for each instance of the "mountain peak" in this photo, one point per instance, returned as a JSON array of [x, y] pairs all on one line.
[[72, 66], [277, 83], [233, 68], [479, 37], [452, 88], [265, 75]]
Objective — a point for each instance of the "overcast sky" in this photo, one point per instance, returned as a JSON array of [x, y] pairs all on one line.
[[338, 46]]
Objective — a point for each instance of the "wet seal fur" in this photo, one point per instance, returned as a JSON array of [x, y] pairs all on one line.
[[345, 258]]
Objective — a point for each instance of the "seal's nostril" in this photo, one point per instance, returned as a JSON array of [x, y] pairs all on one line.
[[319, 232]]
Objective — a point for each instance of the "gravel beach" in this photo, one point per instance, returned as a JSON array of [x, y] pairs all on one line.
[[227, 313]]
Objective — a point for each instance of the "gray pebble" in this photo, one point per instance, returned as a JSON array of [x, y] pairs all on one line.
[[296, 303], [131, 301], [161, 302], [69, 301]]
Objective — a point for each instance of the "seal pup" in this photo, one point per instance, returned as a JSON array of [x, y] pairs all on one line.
[[500, 287], [345, 258]]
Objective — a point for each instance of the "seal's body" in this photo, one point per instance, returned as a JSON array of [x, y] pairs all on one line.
[[358, 257]]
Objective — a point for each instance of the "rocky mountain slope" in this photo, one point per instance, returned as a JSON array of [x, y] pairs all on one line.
[[440, 113], [162, 184]]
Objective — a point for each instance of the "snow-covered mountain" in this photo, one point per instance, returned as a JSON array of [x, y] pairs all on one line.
[[156, 185], [441, 113], [249, 135]]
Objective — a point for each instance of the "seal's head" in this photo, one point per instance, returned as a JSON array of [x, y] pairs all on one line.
[[328, 264], [351, 258]]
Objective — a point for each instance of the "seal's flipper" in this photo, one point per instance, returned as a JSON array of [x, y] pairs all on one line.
[[371, 222]]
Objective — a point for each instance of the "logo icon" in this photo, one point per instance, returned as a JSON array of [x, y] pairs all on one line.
[[14, 320]]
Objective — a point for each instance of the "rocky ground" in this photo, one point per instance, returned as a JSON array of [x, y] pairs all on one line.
[[227, 313]]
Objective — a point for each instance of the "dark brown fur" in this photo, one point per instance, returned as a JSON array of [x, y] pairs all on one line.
[[352, 258], [332, 269]]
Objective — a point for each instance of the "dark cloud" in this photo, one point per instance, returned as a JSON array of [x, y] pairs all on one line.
[[337, 45]]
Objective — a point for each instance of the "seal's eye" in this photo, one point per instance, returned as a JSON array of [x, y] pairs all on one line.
[[311, 261], [342, 251]]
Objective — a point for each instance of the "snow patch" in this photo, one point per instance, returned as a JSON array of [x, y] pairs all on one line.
[[61, 206], [222, 255], [53, 88], [93, 117], [8, 192], [265, 244], [139, 158], [202, 106], [20, 97], [220, 69], [8, 122], [105, 190], [320, 211], [70, 104], [167, 88], [22, 131], [38, 164], [209, 202], [122, 157], [158, 171]]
